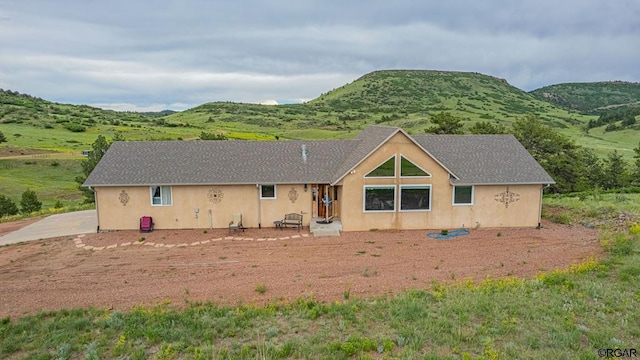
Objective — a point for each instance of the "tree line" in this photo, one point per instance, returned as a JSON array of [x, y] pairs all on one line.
[[626, 116]]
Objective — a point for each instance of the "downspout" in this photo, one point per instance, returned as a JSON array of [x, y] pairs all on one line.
[[95, 201], [259, 210], [540, 209]]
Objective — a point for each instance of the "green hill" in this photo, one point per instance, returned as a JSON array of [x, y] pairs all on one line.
[[591, 98], [26, 109], [405, 98], [420, 91], [32, 123]]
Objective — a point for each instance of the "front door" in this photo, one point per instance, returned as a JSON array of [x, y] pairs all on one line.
[[326, 201]]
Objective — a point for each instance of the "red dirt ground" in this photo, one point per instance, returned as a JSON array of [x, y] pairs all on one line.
[[59, 273], [8, 227]]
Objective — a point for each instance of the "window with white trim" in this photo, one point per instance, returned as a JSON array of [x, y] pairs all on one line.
[[161, 195], [409, 169], [415, 197], [463, 195], [386, 169], [267, 191], [379, 198]]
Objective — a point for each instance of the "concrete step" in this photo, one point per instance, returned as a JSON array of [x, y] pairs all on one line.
[[326, 232]]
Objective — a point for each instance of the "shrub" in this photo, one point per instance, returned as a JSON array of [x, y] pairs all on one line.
[[261, 288], [74, 127], [29, 202], [7, 206], [212, 136], [562, 218]]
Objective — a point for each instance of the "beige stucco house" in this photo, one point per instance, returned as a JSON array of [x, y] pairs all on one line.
[[382, 179]]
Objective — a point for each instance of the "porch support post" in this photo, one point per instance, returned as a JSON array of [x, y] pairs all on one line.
[[326, 203]]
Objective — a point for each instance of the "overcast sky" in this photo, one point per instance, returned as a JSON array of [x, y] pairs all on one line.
[[153, 55]]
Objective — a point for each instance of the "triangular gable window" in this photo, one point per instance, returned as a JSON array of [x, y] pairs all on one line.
[[386, 169], [407, 168]]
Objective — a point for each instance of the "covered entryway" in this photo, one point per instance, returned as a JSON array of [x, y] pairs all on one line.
[[325, 201]]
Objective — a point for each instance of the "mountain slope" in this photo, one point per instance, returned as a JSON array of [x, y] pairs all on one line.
[[23, 108], [404, 98], [422, 90], [591, 98]]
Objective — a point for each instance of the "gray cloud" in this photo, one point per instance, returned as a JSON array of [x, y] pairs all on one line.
[[143, 54]]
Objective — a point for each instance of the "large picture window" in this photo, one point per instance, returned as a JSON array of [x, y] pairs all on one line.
[[463, 195], [415, 198], [379, 198], [161, 195], [267, 191]]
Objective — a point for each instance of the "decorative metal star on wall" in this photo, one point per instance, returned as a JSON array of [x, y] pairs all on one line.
[[507, 197]]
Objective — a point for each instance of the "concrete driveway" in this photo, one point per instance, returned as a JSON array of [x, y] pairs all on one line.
[[73, 223]]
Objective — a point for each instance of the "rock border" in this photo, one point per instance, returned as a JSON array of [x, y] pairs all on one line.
[[80, 244]]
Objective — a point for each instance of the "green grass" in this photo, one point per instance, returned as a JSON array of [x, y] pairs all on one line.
[[51, 182], [589, 208]]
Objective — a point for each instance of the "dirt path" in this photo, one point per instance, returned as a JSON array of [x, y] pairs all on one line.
[[190, 264], [8, 152]]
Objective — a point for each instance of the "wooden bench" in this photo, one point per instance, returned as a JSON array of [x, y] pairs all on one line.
[[293, 220]]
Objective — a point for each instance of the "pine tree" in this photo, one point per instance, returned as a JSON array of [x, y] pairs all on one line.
[[557, 154], [7, 206], [485, 127], [615, 171], [446, 124], [636, 171], [29, 202], [100, 147]]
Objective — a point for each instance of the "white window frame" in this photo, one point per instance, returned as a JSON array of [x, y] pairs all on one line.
[[416, 165], [275, 192], [364, 198], [395, 165], [415, 186], [162, 189], [453, 195]]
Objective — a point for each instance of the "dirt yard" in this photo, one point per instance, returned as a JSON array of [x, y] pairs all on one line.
[[117, 271]]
